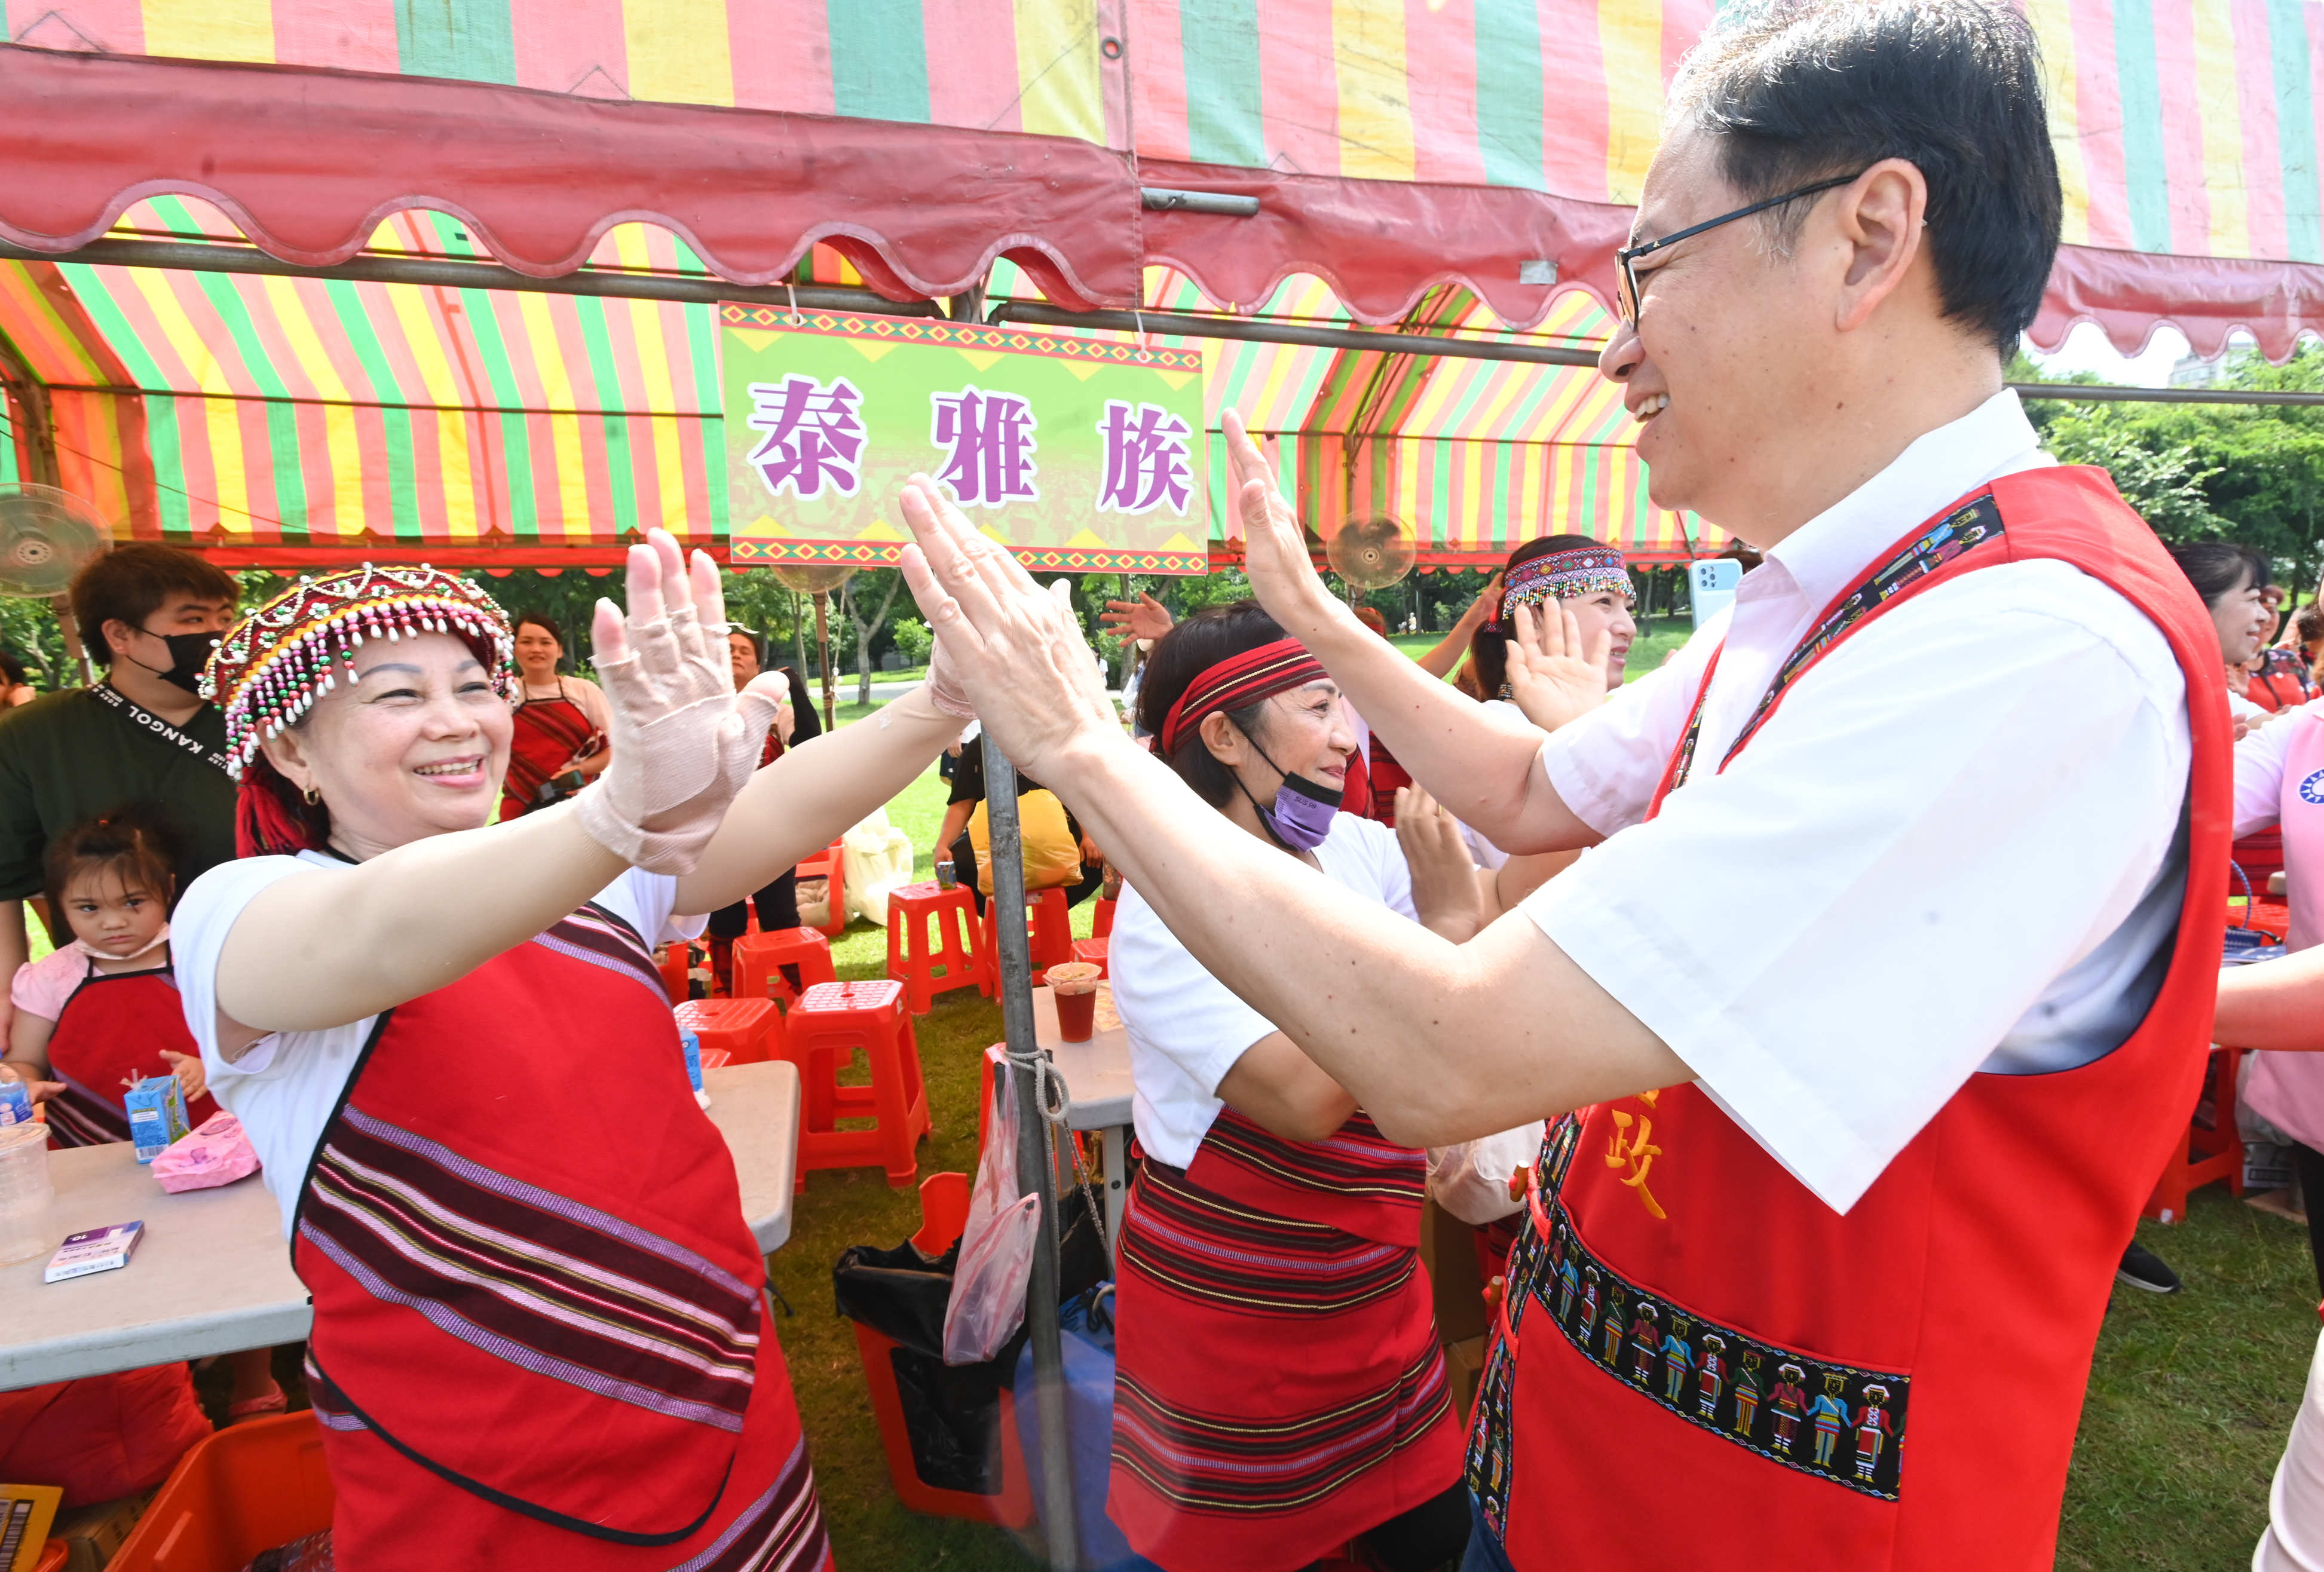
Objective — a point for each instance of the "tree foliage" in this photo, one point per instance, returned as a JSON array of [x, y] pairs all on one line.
[[2248, 472]]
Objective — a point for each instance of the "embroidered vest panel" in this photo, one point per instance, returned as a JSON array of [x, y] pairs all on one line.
[[1967, 1285]]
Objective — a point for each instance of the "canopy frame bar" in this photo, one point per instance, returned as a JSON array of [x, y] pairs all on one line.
[[708, 289]]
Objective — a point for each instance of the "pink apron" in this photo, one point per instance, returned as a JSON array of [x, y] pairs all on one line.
[[2287, 1089]]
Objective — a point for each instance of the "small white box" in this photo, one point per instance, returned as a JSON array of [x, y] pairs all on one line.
[[97, 1250]]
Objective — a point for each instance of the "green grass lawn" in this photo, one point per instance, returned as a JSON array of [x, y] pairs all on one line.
[[2191, 1397]]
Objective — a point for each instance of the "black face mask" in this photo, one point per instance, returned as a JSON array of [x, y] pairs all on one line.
[[189, 654]]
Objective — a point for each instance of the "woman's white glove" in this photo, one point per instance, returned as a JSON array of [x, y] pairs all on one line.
[[684, 741]]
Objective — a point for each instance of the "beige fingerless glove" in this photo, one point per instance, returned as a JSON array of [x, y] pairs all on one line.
[[944, 688], [684, 743]]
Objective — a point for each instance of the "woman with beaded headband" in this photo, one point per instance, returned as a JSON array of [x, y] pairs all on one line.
[[1560, 593], [1588, 577], [540, 1335]]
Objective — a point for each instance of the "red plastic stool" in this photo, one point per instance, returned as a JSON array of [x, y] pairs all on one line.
[[2269, 914], [673, 962], [943, 1212], [927, 966], [833, 866], [1048, 924], [829, 1024], [1101, 918], [760, 957], [2210, 1154], [1091, 951], [750, 1030]]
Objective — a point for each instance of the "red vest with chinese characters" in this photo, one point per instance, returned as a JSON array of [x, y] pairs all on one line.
[[1701, 1365], [539, 1337]]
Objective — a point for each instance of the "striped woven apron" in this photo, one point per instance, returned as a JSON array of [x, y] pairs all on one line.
[[111, 1030], [1279, 1388], [539, 1332]]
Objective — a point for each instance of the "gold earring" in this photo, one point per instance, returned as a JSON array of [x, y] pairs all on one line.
[[312, 796]]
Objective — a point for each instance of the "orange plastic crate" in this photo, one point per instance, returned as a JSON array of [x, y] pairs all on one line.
[[244, 1490]]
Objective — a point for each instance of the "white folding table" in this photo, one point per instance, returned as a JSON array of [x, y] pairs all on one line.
[[1096, 1074], [213, 1274]]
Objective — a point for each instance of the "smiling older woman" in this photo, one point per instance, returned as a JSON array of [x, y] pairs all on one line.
[[540, 1333]]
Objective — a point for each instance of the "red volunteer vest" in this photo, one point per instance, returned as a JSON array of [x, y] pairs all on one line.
[[532, 1282], [112, 1030], [1702, 1365]]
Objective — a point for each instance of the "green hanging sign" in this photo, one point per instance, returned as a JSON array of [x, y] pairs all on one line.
[[1081, 454]]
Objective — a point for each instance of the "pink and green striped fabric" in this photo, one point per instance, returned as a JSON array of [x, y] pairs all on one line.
[[2184, 126], [324, 413], [1475, 455]]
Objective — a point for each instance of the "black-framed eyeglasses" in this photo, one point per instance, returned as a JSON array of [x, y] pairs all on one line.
[[1628, 254]]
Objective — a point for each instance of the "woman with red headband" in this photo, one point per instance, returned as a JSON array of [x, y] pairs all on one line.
[[539, 1337], [1279, 1388]]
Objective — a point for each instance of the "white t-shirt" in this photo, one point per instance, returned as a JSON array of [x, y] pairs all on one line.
[[1185, 1029], [285, 1085], [1929, 865]]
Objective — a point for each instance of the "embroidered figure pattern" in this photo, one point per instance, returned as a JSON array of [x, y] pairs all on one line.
[[1726, 1389]]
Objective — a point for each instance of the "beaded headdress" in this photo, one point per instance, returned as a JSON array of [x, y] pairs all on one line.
[[273, 666], [1567, 574]]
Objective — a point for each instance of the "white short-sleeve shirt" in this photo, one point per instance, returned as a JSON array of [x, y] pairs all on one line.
[[1958, 847], [1186, 1030], [2259, 768], [285, 1085]]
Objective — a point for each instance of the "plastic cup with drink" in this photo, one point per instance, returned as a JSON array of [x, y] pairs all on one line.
[[1074, 985]]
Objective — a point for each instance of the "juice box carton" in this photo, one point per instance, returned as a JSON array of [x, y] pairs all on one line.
[[156, 1107]]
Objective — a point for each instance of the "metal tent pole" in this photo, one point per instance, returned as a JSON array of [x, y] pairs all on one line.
[[1034, 1172]]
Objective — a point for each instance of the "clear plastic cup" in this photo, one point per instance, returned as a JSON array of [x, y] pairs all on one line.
[[1074, 985], [27, 1201]]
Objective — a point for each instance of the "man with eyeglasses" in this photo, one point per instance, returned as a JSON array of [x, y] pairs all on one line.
[[1884, 990]]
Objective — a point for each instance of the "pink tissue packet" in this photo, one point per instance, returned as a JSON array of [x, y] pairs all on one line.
[[217, 1153]]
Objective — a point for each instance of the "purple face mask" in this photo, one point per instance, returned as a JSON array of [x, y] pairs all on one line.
[[1301, 819]]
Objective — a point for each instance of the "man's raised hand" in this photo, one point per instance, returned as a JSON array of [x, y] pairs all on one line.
[[1016, 650], [1275, 548]]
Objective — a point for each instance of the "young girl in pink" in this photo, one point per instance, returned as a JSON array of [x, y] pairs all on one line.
[[103, 1011]]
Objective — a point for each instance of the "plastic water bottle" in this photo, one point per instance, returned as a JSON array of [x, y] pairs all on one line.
[[27, 1201], [15, 1098]]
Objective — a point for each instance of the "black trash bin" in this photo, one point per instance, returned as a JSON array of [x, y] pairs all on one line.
[[950, 1414]]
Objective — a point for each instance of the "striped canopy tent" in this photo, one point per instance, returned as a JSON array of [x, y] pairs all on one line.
[[1472, 456], [1452, 167]]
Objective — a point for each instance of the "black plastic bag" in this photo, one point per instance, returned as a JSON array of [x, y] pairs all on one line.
[[952, 1412]]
